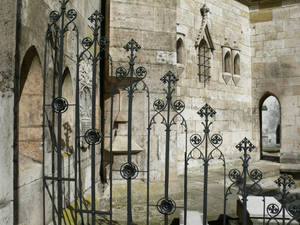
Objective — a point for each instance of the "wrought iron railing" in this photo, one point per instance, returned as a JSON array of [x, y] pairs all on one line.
[[65, 190]]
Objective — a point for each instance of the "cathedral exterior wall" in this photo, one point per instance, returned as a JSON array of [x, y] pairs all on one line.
[[7, 46], [228, 94], [152, 24], [34, 17], [275, 71]]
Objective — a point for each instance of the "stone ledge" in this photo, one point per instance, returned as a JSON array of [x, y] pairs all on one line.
[[290, 168]]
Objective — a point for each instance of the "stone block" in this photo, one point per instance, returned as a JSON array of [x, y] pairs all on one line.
[[261, 16], [193, 217], [281, 13], [6, 212]]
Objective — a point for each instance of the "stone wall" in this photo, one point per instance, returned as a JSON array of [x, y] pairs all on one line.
[[7, 46], [33, 25], [156, 26], [228, 93], [152, 25], [275, 71]]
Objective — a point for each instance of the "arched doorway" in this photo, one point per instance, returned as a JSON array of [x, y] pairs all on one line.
[[30, 140], [68, 139], [270, 131]]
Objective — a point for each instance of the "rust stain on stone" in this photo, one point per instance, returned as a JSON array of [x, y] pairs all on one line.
[[261, 16]]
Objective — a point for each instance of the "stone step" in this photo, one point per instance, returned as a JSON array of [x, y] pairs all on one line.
[[289, 168]]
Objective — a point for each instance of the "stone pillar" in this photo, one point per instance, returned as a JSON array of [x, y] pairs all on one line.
[[7, 43]]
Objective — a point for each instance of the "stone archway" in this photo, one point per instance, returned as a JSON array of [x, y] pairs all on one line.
[[270, 122], [30, 132]]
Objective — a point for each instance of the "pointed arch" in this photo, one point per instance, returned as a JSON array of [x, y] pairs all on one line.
[[30, 131], [227, 62], [31, 106], [180, 51], [270, 126], [68, 116], [204, 57], [236, 64], [29, 56]]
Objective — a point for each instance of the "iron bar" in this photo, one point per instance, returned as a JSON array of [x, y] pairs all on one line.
[[44, 122], [129, 170], [239, 179], [167, 206], [77, 129], [196, 153], [288, 207], [59, 115]]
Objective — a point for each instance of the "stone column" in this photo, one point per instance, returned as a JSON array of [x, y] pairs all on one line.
[[7, 43]]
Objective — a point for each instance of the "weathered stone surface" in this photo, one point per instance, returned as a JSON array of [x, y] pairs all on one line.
[[268, 40], [7, 43], [278, 72]]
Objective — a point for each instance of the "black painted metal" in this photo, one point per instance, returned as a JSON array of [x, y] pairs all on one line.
[[206, 155], [166, 205], [239, 179], [134, 79], [60, 23], [204, 62], [65, 173], [64, 189], [278, 214]]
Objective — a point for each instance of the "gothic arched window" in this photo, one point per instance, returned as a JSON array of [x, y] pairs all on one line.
[[227, 65], [204, 61], [237, 64], [179, 51]]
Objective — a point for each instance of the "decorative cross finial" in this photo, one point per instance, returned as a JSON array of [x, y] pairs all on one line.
[[285, 181], [169, 78], [132, 46], [96, 17], [206, 111], [245, 145]]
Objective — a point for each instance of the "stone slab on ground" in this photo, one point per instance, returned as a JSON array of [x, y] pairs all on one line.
[[256, 209], [193, 217]]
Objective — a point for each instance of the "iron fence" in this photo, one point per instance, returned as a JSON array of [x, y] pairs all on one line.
[[65, 190]]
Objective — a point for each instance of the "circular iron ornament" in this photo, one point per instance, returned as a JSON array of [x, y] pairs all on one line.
[[195, 140], [92, 136], [71, 14], [234, 175], [60, 105], [216, 140], [179, 106], [294, 209], [273, 209], [166, 206], [256, 174], [54, 16], [129, 171], [141, 72], [121, 72], [158, 105], [87, 42]]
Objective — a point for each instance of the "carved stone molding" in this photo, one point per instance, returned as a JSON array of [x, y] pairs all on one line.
[[226, 77]]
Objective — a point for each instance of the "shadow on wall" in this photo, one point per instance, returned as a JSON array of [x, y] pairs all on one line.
[[30, 139]]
